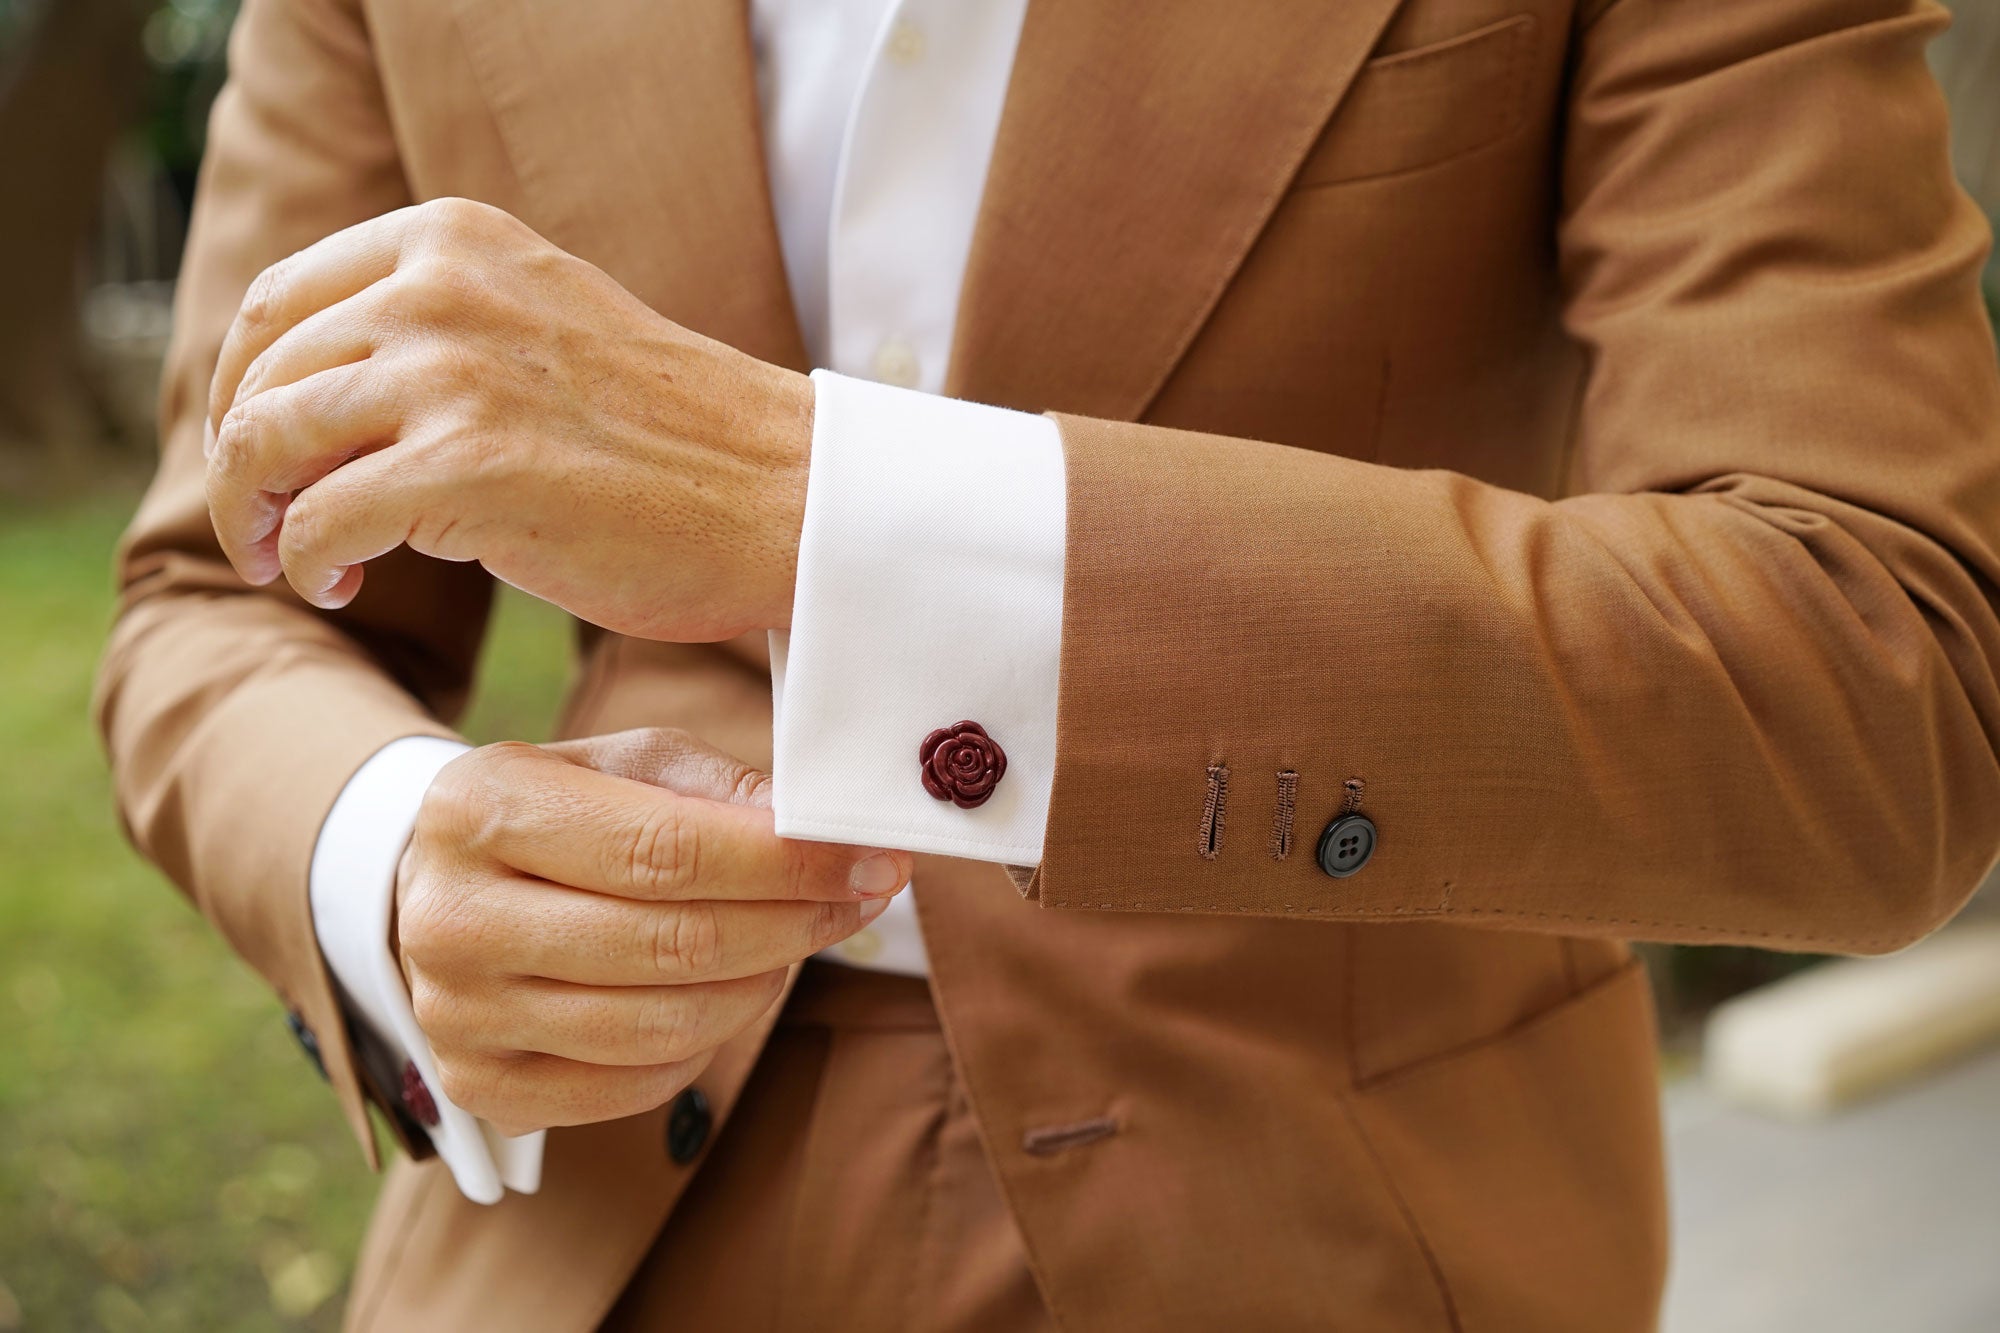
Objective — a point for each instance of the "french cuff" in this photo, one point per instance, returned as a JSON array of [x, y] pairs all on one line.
[[930, 588], [353, 887]]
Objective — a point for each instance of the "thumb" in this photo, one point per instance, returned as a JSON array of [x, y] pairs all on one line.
[[671, 758]]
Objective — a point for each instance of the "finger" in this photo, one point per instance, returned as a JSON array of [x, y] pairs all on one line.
[[594, 831], [362, 510], [284, 440], [593, 939], [524, 1092], [339, 335], [622, 1025], [671, 758], [319, 276]]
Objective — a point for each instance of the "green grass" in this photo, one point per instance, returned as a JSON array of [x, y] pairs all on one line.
[[168, 1160]]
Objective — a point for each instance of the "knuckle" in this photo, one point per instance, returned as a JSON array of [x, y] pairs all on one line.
[[417, 924], [449, 797], [687, 941], [259, 376], [253, 379], [663, 851], [235, 442], [305, 525], [455, 213], [502, 761], [752, 787], [263, 298], [470, 796], [801, 868], [426, 294], [833, 922], [241, 437], [668, 1026], [456, 223], [432, 935], [434, 1008], [466, 1084]]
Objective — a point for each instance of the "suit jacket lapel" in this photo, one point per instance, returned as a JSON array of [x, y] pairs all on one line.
[[626, 109], [1142, 150]]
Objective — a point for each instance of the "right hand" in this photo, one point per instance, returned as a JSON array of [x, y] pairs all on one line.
[[583, 924]]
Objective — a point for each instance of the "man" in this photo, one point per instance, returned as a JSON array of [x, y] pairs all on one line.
[[1619, 563]]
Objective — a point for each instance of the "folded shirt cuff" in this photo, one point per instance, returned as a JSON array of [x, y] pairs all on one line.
[[353, 888], [929, 593]]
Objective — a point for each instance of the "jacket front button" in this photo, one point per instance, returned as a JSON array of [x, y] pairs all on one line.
[[688, 1123], [1346, 845]]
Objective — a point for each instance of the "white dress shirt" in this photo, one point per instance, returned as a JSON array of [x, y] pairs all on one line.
[[879, 123]]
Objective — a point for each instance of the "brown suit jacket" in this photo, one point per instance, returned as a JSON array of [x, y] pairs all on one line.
[[1627, 525]]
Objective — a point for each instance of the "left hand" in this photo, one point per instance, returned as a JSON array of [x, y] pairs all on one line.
[[443, 376], [583, 925]]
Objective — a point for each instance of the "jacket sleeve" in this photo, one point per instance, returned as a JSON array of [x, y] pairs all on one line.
[[233, 715], [1738, 686]]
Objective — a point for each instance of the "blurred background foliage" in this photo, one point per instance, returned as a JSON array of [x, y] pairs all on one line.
[[103, 110], [174, 50], [167, 1159]]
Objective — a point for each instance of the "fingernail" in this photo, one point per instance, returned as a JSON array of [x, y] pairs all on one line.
[[207, 438], [261, 567], [873, 908], [876, 875]]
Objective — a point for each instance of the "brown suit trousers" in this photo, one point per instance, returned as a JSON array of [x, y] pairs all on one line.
[[1573, 421], [850, 1192]]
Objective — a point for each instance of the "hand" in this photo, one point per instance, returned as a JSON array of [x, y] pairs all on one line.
[[582, 925], [443, 376]]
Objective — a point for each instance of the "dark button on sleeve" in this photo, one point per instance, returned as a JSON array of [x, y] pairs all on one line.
[[1346, 845], [688, 1124], [306, 1040]]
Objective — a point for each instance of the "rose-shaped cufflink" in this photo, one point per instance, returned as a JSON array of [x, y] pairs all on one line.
[[962, 764], [417, 1098]]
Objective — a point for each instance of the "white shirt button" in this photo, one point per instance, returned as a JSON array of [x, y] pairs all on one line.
[[863, 946], [906, 43], [896, 363]]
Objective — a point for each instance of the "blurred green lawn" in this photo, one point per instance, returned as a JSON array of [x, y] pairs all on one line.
[[168, 1159]]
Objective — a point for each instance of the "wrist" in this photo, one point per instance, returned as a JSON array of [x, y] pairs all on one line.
[[790, 418]]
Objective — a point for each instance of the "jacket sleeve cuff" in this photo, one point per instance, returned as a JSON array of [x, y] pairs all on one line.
[[353, 885], [930, 591]]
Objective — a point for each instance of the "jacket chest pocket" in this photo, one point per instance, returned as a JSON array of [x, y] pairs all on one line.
[[1421, 107]]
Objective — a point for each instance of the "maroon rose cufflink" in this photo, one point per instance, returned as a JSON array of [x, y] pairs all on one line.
[[962, 764], [417, 1098]]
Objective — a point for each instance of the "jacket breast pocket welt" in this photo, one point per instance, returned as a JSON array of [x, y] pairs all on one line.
[[1428, 105]]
